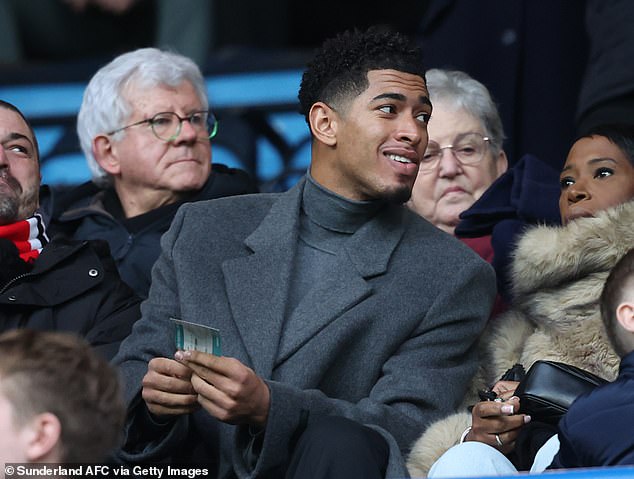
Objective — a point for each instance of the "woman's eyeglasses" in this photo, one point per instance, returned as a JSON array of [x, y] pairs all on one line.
[[468, 149]]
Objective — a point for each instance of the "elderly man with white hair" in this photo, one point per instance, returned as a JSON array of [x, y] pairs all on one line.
[[145, 128]]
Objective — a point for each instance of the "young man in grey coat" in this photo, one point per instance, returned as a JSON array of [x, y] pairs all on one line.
[[348, 323]]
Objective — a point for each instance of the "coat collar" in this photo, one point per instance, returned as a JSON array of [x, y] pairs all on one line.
[[548, 257], [265, 274]]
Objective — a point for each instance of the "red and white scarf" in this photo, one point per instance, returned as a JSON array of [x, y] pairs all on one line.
[[29, 236]]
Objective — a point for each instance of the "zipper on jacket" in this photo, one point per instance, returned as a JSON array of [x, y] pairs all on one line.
[[75, 248], [17, 278]]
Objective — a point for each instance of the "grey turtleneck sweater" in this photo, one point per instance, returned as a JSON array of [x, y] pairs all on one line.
[[327, 221]]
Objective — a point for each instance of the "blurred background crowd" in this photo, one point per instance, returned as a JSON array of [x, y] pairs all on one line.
[[554, 68]]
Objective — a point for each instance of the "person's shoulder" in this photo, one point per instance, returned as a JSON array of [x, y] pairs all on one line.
[[600, 402], [229, 213], [226, 181], [65, 245], [421, 234], [58, 199], [61, 244], [237, 204], [64, 255], [222, 170]]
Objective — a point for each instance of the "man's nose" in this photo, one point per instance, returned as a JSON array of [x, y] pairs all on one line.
[[187, 133], [409, 130], [4, 159]]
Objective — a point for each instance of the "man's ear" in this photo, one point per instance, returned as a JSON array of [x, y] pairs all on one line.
[[323, 122], [105, 154], [43, 438], [625, 316]]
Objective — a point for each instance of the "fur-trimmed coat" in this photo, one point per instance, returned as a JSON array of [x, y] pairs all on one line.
[[558, 275]]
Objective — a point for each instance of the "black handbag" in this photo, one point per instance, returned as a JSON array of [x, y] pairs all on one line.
[[550, 387]]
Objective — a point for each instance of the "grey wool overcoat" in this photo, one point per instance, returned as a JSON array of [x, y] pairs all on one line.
[[388, 339]]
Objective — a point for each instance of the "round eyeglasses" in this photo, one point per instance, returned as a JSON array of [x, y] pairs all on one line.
[[167, 125], [468, 149]]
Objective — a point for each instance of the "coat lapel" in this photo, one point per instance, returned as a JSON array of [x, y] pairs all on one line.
[[257, 284], [366, 255]]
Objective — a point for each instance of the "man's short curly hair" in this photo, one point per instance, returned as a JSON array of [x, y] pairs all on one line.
[[339, 69]]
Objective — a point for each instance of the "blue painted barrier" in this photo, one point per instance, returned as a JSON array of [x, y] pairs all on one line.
[[262, 103]]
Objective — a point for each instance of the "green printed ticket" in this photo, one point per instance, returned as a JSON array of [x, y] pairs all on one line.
[[191, 336]]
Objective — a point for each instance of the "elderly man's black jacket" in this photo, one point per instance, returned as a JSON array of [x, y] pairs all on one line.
[[88, 212], [73, 286]]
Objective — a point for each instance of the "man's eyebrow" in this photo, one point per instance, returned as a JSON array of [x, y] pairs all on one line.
[[400, 97], [14, 135]]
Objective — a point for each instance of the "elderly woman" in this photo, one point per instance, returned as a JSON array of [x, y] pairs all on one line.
[[464, 154]]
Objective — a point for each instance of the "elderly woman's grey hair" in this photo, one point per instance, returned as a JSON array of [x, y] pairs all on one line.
[[462, 91], [105, 108]]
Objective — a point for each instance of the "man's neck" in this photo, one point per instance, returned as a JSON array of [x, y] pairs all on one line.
[[135, 202], [335, 212]]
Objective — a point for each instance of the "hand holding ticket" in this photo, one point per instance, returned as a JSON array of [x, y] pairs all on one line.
[[191, 336]]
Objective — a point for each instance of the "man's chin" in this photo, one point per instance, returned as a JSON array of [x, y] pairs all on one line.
[[8, 211], [188, 183], [398, 196]]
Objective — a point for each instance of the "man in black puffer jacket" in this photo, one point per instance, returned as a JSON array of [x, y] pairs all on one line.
[[60, 285]]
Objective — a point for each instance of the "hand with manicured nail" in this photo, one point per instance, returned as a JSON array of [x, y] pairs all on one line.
[[497, 423]]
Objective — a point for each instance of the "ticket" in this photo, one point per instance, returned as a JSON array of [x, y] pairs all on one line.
[[197, 337]]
